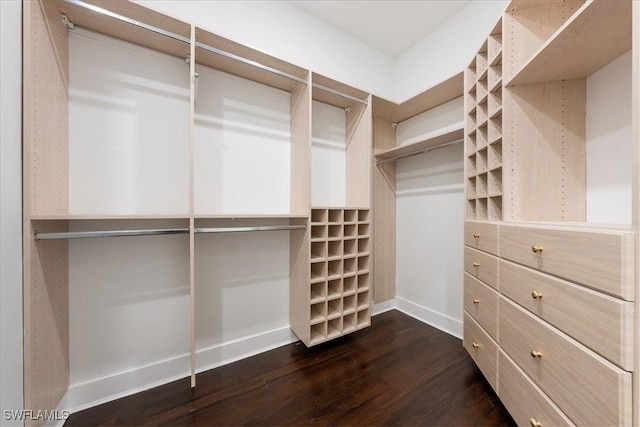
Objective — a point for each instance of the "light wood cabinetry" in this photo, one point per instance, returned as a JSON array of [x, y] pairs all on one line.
[[330, 259], [567, 288]]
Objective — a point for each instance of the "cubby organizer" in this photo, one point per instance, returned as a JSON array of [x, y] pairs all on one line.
[[339, 297], [483, 130]]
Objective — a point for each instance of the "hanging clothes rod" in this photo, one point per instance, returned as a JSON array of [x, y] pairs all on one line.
[[115, 233], [208, 48], [248, 229], [403, 156], [337, 92], [185, 40]]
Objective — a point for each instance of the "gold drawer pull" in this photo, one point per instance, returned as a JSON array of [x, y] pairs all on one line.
[[476, 301], [535, 423], [536, 295], [476, 264], [476, 235], [535, 353], [536, 249], [475, 345]]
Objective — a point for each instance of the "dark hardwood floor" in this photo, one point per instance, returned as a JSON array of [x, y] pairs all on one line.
[[397, 372]]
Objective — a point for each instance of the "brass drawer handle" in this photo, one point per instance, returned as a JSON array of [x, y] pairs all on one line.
[[536, 249], [476, 235], [535, 353], [535, 423], [476, 301], [476, 264], [536, 295], [475, 345]]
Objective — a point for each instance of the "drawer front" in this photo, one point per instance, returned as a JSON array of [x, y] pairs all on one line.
[[482, 236], [601, 322], [481, 266], [526, 403], [483, 350], [585, 386], [599, 260], [481, 302]]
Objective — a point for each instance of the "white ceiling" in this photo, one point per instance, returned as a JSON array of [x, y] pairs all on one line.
[[389, 26]]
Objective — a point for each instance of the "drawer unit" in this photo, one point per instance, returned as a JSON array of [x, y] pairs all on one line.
[[585, 386], [601, 260], [527, 404], [481, 302], [482, 236], [481, 266], [483, 349], [601, 322]]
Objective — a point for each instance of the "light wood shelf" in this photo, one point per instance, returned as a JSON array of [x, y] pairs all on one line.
[[598, 33], [435, 139]]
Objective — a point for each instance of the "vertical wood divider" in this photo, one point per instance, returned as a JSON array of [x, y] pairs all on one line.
[[635, 120], [192, 299]]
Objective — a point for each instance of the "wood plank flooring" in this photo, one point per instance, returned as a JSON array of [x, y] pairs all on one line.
[[397, 372]]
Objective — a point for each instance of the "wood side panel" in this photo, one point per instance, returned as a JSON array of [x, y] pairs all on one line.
[[482, 266], [299, 281], [482, 236], [483, 349], [596, 259], [359, 155], [300, 149], [600, 322], [544, 152], [384, 215], [46, 318], [524, 400], [45, 100], [585, 386], [635, 121], [481, 302]]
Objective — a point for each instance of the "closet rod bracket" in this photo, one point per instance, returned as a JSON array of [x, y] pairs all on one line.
[[66, 22]]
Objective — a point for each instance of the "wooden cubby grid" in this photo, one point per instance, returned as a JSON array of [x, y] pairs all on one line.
[[339, 273], [483, 130]]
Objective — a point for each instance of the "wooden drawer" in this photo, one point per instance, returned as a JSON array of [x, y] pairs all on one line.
[[481, 266], [588, 388], [602, 260], [601, 322], [481, 302], [483, 349], [524, 400], [482, 236]]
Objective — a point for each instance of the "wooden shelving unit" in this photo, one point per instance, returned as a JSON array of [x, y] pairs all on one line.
[[437, 139], [528, 266], [483, 130], [339, 299]]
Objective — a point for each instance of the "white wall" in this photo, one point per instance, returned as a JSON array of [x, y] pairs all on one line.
[[609, 143], [447, 50], [283, 30], [429, 218], [11, 390], [328, 155]]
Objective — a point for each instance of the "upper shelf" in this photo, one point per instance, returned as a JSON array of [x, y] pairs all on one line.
[[599, 32], [441, 137], [449, 89]]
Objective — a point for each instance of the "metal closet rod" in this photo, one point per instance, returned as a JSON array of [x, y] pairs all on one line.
[[156, 232], [113, 233], [208, 48], [246, 229], [446, 144]]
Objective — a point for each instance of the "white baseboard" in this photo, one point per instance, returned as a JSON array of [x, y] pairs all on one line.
[[437, 320], [102, 390]]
